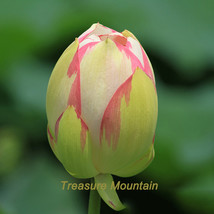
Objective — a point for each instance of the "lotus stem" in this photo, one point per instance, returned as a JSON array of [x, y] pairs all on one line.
[[94, 201]]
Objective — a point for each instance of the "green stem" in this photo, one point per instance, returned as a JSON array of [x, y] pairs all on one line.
[[94, 201]]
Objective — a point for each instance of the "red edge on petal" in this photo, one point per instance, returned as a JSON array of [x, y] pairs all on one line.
[[110, 202], [113, 31], [147, 67], [75, 91], [74, 68], [84, 37], [134, 60], [52, 141], [83, 49], [116, 38], [111, 118], [153, 140], [84, 129], [74, 96], [57, 126]]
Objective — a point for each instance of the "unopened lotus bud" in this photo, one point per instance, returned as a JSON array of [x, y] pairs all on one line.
[[102, 105]]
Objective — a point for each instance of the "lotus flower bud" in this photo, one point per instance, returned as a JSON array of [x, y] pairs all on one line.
[[102, 105]]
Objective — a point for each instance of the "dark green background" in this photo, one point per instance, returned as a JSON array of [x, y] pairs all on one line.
[[178, 37]]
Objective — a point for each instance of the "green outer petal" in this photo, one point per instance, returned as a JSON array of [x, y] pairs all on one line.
[[137, 128], [77, 161], [59, 86], [139, 165], [109, 195], [51, 141]]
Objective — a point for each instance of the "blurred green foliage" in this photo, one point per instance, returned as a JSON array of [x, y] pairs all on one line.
[[178, 37], [36, 188], [11, 151]]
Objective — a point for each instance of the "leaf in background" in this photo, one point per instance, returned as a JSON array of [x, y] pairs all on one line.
[[36, 187], [11, 149], [26, 85], [197, 196]]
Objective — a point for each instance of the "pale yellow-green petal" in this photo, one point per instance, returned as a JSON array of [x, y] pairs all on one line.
[[77, 161], [103, 70], [139, 165], [109, 194], [59, 86], [137, 128]]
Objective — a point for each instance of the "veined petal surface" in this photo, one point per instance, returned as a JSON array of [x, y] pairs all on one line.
[[103, 69], [128, 125], [75, 157], [59, 87]]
